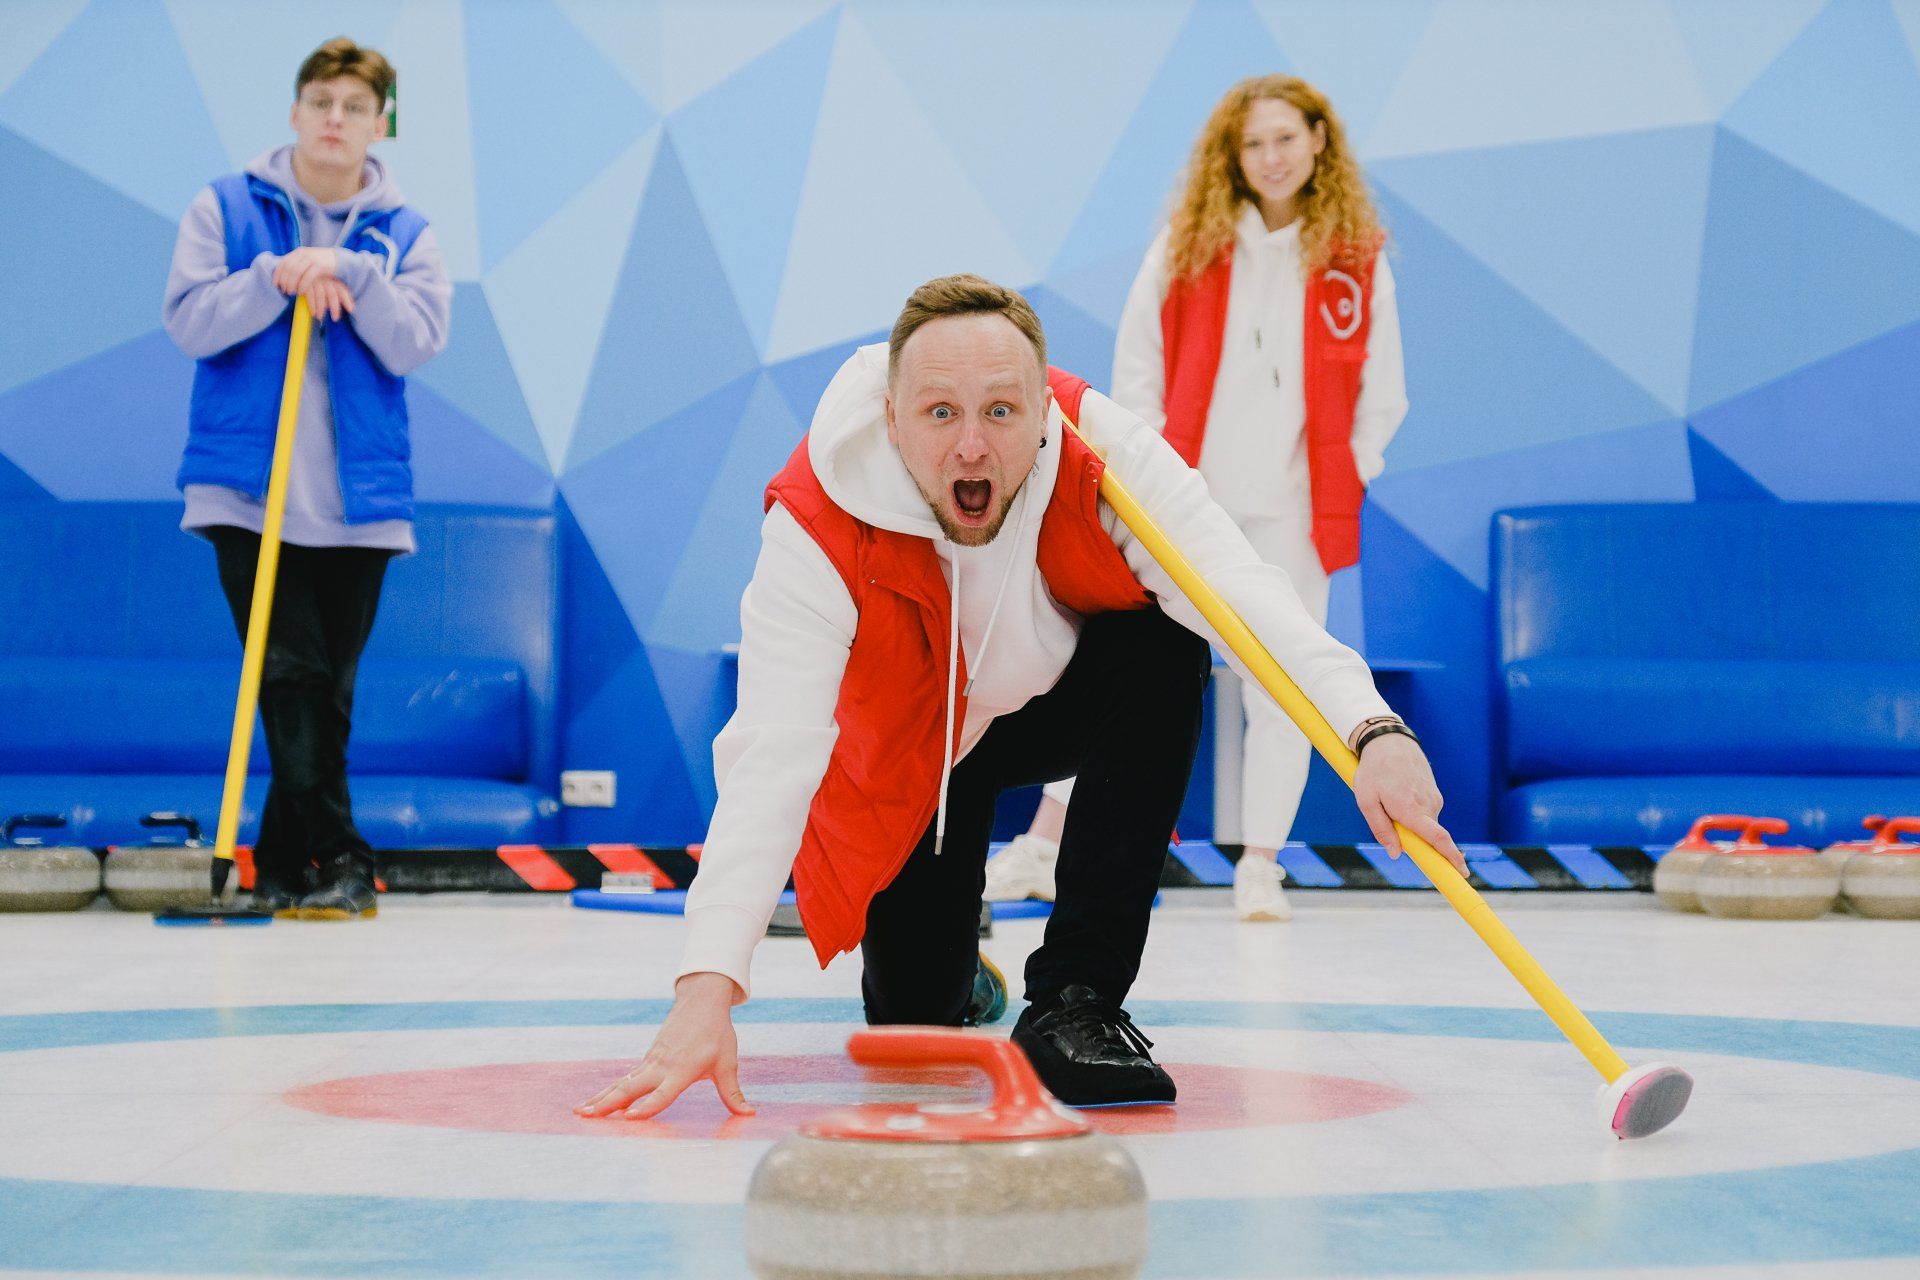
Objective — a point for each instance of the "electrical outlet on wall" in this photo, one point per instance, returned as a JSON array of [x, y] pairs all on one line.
[[587, 788]]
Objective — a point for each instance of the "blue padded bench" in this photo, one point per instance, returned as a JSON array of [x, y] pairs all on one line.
[[1660, 661], [120, 665]]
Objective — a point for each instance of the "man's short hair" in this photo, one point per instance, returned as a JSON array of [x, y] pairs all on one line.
[[964, 295], [340, 56]]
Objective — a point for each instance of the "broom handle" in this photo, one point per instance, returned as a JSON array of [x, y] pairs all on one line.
[[1238, 637], [264, 574]]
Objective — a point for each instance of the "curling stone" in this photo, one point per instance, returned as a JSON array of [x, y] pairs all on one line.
[[1020, 1189], [1678, 870], [785, 921], [37, 876], [1884, 880], [1837, 853], [174, 872], [1759, 881]]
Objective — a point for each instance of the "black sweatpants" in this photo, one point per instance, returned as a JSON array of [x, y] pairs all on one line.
[[1125, 718], [324, 600]]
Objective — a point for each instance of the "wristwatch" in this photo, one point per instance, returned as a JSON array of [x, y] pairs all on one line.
[[1379, 727]]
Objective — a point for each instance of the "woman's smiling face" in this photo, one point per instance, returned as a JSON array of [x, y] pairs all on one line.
[[1277, 150]]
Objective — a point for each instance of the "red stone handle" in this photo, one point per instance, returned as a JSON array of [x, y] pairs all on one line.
[[1763, 827], [1697, 834], [1892, 829], [1016, 1089], [1020, 1108]]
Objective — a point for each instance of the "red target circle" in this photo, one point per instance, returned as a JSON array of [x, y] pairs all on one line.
[[791, 1090]]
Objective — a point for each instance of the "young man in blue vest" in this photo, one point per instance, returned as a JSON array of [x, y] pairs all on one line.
[[321, 218]]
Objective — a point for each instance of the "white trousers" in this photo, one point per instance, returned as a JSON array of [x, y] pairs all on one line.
[[1274, 755]]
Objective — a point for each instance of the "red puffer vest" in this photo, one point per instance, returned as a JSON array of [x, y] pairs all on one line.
[[1193, 323], [882, 780]]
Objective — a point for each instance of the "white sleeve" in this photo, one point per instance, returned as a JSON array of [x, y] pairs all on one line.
[[1333, 676], [796, 626], [1139, 365], [1383, 381]]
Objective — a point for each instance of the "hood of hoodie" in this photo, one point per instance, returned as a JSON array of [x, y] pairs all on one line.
[[377, 187], [859, 466]]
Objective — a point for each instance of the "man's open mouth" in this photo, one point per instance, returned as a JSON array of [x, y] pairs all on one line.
[[973, 497]]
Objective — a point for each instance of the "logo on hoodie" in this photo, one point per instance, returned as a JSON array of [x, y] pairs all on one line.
[[1344, 316], [388, 249]]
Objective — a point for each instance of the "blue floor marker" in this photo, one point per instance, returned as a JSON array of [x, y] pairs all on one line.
[[1592, 870], [1401, 872], [1208, 865], [1305, 868], [673, 902], [1498, 870]]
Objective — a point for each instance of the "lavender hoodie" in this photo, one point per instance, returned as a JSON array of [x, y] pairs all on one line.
[[402, 319]]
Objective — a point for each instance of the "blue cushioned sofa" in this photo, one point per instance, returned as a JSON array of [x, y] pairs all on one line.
[[1659, 661], [119, 666]]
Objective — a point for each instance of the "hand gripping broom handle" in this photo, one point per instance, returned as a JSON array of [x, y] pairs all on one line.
[[1452, 885], [264, 575]]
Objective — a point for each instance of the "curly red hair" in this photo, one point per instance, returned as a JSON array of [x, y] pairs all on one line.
[[1337, 218]]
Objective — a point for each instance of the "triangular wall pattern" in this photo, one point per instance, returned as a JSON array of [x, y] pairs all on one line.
[[1647, 250]]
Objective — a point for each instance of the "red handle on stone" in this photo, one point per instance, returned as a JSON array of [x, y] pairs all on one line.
[[1751, 843], [1892, 829], [1696, 837], [1016, 1088]]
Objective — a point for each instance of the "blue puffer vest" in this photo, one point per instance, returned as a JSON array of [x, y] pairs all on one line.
[[236, 394]]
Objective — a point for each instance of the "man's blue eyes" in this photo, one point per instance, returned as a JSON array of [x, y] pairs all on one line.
[[943, 412]]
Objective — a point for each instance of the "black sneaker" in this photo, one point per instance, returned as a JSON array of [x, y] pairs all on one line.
[[275, 897], [347, 893], [280, 896], [1088, 1052]]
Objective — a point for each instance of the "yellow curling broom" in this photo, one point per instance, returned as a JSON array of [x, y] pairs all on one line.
[[1633, 1101], [224, 882]]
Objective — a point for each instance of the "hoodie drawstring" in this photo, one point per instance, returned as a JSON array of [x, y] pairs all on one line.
[[1000, 597], [953, 660], [953, 677]]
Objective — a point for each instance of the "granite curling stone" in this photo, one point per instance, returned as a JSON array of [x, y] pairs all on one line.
[[1678, 871], [37, 876], [1841, 850], [1884, 880], [1758, 881], [160, 876], [1020, 1189]]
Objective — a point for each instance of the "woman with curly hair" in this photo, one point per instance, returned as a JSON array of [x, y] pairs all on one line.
[[1261, 338]]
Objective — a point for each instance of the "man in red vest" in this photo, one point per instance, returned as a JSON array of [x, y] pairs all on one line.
[[942, 609]]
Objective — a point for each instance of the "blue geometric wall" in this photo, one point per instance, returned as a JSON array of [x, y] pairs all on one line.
[[1647, 249]]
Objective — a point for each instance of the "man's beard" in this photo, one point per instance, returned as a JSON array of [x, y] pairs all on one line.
[[961, 534]]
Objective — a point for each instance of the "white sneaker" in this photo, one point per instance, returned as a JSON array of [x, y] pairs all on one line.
[[1256, 889], [1024, 869]]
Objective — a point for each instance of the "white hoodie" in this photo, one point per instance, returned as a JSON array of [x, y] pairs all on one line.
[[1255, 459], [797, 623]]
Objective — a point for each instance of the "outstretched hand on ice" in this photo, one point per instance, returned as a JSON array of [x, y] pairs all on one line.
[[696, 1042]]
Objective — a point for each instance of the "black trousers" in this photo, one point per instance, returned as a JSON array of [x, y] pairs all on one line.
[[1124, 717], [324, 600]]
